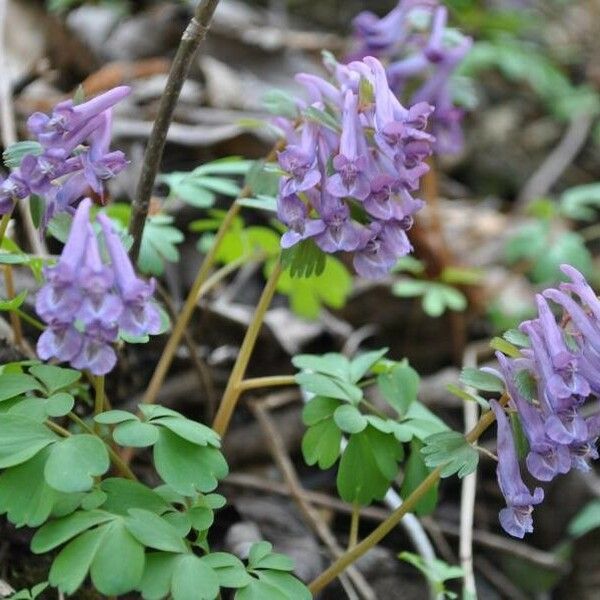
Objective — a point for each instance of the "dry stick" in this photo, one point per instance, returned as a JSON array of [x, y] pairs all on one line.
[[388, 525], [201, 282], [9, 137], [233, 389], [312, 516], [193, 35]]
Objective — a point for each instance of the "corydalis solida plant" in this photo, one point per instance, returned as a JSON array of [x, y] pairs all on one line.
[[85, 302], [349, 183], [74, 157], [549, 386]]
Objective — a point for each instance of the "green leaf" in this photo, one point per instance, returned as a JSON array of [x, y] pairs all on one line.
[[37, 207], [59, 405], [321, 444], [60, 226], [349, 419], [399, 387], [21, 439], [587, 519], [118, 564], [505, 347], [258, 551], [13, 303], [229, 569], [281, 103], [312, 113], [123, 494], [331, 387], [135, 434], [452, 452], [331, 363], [361, 365], [319, 408], [25, 497], [275, 562], [59, 531], [193, 432], [303, 260], [15, 153], [580, 201], [158, 244], [111, 417], [464, 395], [194, 579], [368, 466], [435, 571], [415, 471], [73, 562], [74, 462], [156, 581], [230, 165], [285, 584], [516, 337], [260, 590], [309, 290], [15, 384], [481, 380], [153, 531], [569, 247], [186, 467], [55, 378]]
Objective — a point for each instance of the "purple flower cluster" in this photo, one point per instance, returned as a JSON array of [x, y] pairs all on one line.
[[548, 386], [422, 55], [75, 155], [352, 161], [85, 302]]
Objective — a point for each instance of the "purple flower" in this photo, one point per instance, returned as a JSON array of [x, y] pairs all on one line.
[[350, 178], [516, 518], [140, 315], [386, 243], [300, 161], [294, 213], [85, 301], [340, 233]]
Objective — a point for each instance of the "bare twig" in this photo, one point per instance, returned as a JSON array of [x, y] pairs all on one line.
[[193, 35], [9, 131], [551, 170], [312, 516]]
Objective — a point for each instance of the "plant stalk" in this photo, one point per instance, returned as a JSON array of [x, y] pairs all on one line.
[[388, 525], [354, 522], [98, 399], [263, 382], [15, 321], [234, 389], [193, 35]]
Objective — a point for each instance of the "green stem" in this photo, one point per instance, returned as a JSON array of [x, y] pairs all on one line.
[[234, 388], [388, 525], [263, 382], [29, 319], [4, 225], [99, 399], [354, 522]]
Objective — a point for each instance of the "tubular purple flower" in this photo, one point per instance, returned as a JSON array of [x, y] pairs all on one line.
[[96, 353], [140, 316], [516, 518], [300, 161], [60, 340], [294, 213], [340, 232], [350, 179]]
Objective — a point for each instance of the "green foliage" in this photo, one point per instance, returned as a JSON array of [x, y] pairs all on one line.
[[436, 571], [31, 594], [481, 380], [524, 63], [451, 451], [375, 443], [15, 153], [544, 249], [436, 297], [279, 102], [580, 202], [586, 520], [200, 187]]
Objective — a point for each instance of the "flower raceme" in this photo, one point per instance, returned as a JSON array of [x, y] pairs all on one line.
[[422, 54], [350, 172], [85, 302], [74, 158], [548, 386]]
